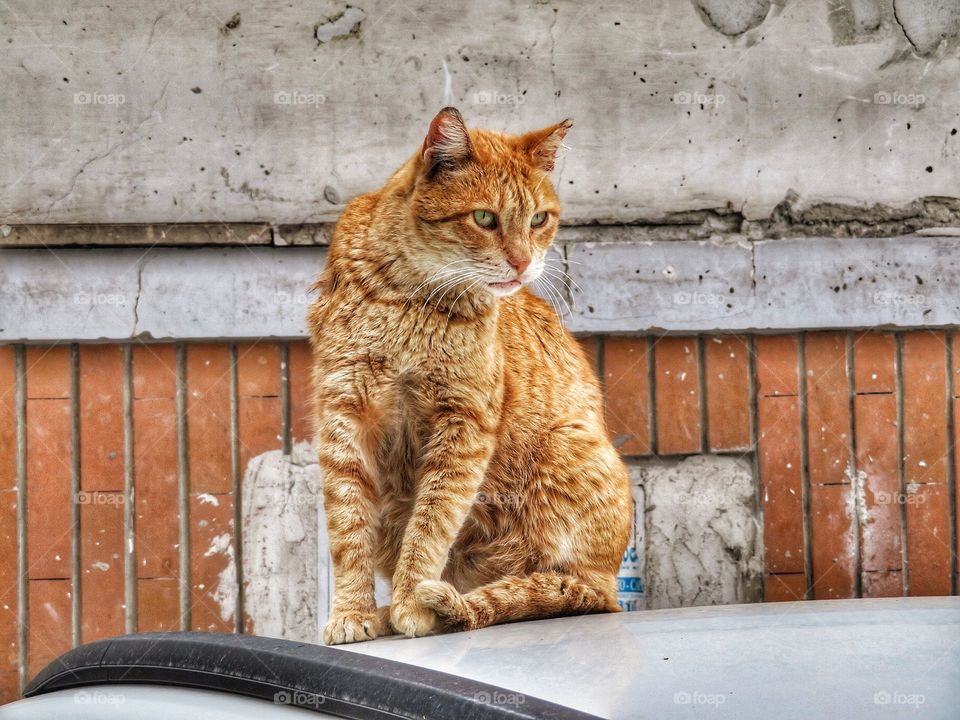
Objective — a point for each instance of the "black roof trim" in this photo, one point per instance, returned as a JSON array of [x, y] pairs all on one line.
[[325, 679]]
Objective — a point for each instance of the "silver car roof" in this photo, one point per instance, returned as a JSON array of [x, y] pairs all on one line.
[[839, 658]]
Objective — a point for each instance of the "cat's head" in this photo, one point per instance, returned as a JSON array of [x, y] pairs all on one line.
[[483, 206]]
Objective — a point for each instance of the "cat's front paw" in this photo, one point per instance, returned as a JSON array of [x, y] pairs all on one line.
[[409, 618], [349, 626]]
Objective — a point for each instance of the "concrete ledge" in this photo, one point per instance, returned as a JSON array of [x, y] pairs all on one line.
[[617, 284]]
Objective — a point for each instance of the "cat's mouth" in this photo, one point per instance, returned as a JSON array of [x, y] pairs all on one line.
[[504, 288]]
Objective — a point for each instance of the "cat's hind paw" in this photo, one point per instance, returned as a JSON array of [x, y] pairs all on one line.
[[352, 626], [444, 599], [409, 618]]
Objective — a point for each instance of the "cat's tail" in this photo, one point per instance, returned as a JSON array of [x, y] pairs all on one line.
[[538, 595]]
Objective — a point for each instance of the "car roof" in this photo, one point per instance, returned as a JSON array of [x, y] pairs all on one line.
[[849, 658], [845, 658]]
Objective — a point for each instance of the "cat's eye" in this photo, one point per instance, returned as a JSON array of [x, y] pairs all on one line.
[[485, 219], [539, 219]]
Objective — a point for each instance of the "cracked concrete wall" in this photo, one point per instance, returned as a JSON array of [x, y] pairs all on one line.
[[697, 535], [279, 113]]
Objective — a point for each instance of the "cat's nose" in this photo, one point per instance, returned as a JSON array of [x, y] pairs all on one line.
[[520, 264]]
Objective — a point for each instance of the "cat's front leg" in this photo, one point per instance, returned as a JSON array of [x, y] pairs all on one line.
[[350, 504], [453, 467]]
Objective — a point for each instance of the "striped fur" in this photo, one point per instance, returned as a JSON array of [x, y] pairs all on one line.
[[460, 428]]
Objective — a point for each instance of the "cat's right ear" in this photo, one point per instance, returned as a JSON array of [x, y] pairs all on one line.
[[447, 144]]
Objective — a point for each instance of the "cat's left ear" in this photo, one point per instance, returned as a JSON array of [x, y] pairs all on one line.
[[447, 144], [543, 145]]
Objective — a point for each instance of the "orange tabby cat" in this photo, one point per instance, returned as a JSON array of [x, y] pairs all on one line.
[[460, 428]]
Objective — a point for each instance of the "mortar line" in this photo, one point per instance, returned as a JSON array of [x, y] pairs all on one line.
[[237, 484], [129, 511], [183, 487], [901, 468], [951, 465], [804, 465], [652, 438], [23, 638], [75, 493], [855, 482], [758, 509], [285, 430]]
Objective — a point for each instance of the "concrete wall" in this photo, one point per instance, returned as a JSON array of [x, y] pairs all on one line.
[[831, 111], [615, 283]]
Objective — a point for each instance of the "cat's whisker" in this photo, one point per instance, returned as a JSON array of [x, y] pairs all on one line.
[[546, 291], [473, 281], [556, 293], [448, 283], [563, 278], [443, 271]]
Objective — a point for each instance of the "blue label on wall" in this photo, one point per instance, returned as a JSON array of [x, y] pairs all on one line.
[[629, 585]]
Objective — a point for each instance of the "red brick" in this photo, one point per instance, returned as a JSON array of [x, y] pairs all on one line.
[[213, 576], [879, 467], [9, 686], [925, 450], [928, 539], [155, 483], [955, 349], [258, 370], [301, 391], [627, 391], [727, 359], [208, 418], [833, 541], [49, 476], [48, 372], [887, 583], [677, 395], [49, 622], [828, 409], [8, 419], [9, 574], [101, 417], [154, 371], [259, 427], [158, 604], [874, 363], [777, 369], [785, 587], [924, 408], [780, 482], [101, 566], [590, 344]]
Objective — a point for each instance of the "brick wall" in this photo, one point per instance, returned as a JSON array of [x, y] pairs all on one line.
[[120, 467]]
